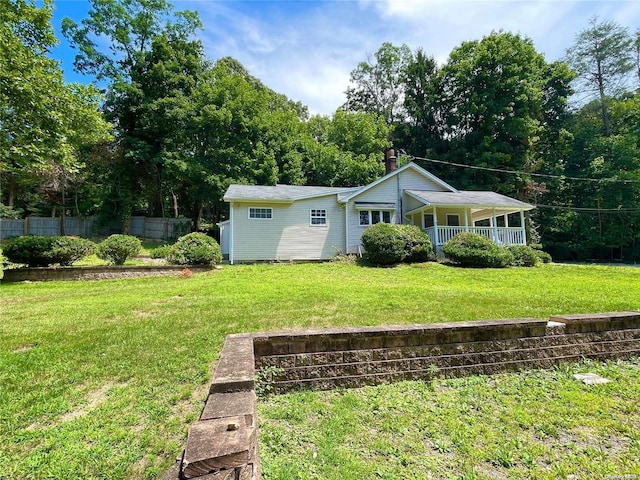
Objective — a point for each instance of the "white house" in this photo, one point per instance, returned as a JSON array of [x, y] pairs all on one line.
[[286, 222]]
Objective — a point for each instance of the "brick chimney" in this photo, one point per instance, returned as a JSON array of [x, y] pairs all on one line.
[[390, 161]]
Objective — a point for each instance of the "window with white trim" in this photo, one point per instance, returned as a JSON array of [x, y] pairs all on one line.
[[371, 217], [260, 213], [318, 216]]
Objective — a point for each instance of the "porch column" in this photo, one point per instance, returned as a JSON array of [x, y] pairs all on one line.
[[435, 226], [466, 219], [524, 230], [495, 226]]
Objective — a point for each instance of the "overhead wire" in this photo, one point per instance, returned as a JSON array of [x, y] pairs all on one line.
[[620, 209]]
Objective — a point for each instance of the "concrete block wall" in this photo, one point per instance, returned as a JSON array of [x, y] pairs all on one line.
[[344, 358], [223, 444]]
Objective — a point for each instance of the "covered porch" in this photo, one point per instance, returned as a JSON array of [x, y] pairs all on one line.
[[443, 215]]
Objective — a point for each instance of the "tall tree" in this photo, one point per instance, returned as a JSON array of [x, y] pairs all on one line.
[[500, 94], [44, 123], [377, 84], [144, 50], [602, 55]]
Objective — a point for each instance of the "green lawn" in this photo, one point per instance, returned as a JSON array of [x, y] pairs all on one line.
[[102, 379]]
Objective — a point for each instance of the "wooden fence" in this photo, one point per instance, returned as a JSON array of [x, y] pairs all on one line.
[[143, 227]]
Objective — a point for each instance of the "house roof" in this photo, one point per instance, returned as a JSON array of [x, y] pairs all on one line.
[[468, 198], [279, 193], [410, 165]]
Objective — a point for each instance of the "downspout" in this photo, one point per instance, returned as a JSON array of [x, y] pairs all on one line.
[[399, 206], [231, 233]]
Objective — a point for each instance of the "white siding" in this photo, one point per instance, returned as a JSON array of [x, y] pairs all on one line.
[[288, 235], [390, 190]]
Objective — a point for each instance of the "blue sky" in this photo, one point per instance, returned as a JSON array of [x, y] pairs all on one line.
[[307, 49]]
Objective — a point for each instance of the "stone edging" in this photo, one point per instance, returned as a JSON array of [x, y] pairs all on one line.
[[96, 272], [223, 444]]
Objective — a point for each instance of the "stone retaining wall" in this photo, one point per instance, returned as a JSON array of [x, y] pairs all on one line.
[[94, 273], [223, 444]]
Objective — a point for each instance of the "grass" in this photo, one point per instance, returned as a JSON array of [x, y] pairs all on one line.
[[102, 379], [534, 425]]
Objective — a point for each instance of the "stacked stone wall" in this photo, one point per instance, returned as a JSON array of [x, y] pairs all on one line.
[[223, 443]]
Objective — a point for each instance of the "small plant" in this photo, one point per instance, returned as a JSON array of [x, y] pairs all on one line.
[[474, 250], [417, 244], [195, 249], [67, 250], [31, 250], [543, 256], [160, 252], [117, 248], [523, 256], [265, 378]]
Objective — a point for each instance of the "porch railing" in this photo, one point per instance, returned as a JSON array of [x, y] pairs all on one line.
[[500, 235]]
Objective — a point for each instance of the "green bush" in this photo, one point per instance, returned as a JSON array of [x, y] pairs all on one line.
[[66, 250], [31, 250], [544, 257], [417, 244], [160, 252], [474, 250], [117, 248], [382, 244], [195, 249], [387, 244], [523, 256]]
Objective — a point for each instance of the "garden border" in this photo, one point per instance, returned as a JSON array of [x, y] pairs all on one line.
[[223, 443], [101, 272]]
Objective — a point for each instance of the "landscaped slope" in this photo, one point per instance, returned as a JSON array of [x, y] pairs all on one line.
[[101, 379]]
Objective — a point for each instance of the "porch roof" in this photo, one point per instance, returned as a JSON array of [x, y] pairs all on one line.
[[468, 199]]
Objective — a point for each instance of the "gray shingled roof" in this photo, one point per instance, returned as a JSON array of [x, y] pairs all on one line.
[[279, 192], [484, 199]]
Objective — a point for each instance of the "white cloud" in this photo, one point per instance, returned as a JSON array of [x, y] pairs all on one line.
[[307, 50]]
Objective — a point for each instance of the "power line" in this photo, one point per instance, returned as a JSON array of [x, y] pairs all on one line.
[[584, 209], [518, 172]]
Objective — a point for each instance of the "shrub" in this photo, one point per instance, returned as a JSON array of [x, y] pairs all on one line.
[[474, 250], [417, 244], [383, 245], [32, 250], [523, 256], [544, 257], [387, 244], [195, 249], [160, 252], [116, 249], [67, 250]]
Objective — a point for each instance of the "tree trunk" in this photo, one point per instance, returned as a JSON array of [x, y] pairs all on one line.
[[175, 205], [603, 102]]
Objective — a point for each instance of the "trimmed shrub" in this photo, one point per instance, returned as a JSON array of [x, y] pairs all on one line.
[[195, 249], [417, 244], [67, 250], [383, 245], [160, 252], [474, 250], [117, 248], [32, 250], [523, 256], [544, 257], [387, 244]]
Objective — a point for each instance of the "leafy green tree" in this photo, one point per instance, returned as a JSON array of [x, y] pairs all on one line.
[[500, 96], [602, 55], [377, 84], [45, 124]]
